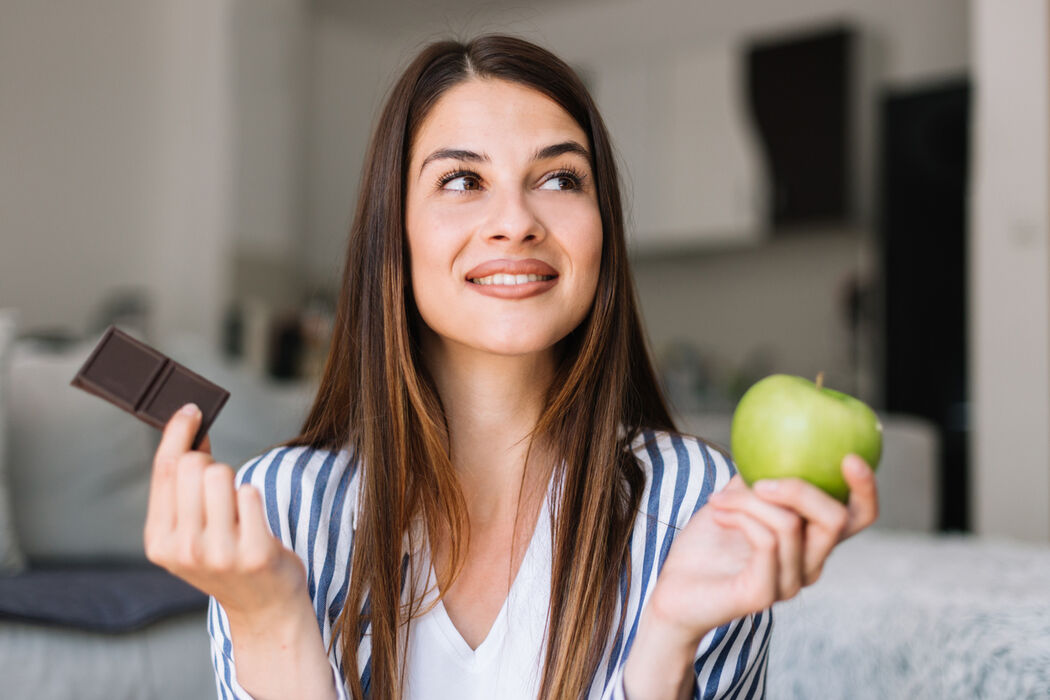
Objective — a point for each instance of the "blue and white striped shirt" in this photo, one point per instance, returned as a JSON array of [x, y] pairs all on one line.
[[311, 497]]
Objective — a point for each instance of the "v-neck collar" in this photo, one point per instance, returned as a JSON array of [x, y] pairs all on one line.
[[526, 577]]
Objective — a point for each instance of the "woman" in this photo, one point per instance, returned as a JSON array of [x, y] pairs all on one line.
[[488, 483]]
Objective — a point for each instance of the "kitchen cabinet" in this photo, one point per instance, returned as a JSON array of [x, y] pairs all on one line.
[[688, 156]]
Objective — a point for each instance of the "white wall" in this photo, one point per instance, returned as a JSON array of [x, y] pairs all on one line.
[[189, 254], [79, 128], [145, 143], [349, 75], [1010, 269], [776, 308], [270, 86]]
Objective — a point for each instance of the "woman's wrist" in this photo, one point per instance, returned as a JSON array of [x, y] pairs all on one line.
[[660, 663], [286, 620], [281, 653]]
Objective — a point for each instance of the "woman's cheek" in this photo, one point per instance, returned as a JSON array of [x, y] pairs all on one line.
[[591, 252]]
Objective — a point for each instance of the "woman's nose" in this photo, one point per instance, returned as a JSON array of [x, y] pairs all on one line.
[[512, 219]]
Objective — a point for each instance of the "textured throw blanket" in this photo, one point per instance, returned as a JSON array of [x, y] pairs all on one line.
[[915, 616]]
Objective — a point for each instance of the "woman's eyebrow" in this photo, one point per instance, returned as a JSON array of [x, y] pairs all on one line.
[[453, 154], [560, 148], [544, 153]]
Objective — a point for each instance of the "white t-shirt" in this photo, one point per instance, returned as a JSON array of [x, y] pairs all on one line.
[[509, 662], [311, 497]]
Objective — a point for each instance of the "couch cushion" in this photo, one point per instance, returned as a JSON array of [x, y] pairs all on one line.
[[79, 467], [11, 558], [100, 599]]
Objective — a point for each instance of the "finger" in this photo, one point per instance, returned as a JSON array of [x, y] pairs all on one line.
[[178, 435], [220, 500], [160, 508], [255, 536], [863, 506], [761, 572], [189, 481], [205, 445], [220, 518], [786, 525], [825, 518], [174, 442]]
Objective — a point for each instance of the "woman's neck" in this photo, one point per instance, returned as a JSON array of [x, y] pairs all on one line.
[[492, 404]]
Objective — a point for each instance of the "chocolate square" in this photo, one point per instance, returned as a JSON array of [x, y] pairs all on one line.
[[120, 369], [146, 383]]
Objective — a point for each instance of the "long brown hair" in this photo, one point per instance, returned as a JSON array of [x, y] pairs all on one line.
[[377, 399]]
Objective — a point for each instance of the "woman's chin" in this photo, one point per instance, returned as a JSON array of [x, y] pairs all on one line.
[[507, 340], [510, 345], [515, 348]]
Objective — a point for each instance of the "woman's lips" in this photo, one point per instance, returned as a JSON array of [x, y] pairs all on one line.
[[512, 279], [528, 266]]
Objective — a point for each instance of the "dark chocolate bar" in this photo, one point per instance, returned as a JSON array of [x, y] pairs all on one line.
[[146, 383]]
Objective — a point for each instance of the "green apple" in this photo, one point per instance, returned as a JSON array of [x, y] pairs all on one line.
[[788, 426]]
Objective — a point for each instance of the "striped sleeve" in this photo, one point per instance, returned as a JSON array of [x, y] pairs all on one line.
[[681, 474], [732, 659], [731, 662], [295, 483]]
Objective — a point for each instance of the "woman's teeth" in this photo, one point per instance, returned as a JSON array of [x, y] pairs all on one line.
[[511, 279]]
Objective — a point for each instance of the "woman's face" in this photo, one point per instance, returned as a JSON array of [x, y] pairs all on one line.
[[504, 232]]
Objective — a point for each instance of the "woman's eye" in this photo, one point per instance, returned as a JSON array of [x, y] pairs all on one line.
[[462, 183], [561, 181]]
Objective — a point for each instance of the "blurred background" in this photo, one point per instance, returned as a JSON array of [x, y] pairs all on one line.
[[857, 187]]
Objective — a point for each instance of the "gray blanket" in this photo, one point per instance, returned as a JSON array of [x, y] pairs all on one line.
[[918, 617]]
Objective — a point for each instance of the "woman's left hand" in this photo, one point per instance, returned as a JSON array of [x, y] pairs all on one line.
[[745, 549]]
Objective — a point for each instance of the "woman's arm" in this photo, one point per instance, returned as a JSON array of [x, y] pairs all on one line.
[[202, 528], [283, 657], [660, 664]]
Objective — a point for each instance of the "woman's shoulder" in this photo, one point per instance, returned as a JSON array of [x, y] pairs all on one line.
[[298, 480], [303, 461], [681, 472]]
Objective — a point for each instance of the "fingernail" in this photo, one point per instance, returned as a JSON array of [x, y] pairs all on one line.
[[766, 485], [190, 409], [857, 466]]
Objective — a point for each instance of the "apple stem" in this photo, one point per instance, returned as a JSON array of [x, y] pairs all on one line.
[[820, 380]]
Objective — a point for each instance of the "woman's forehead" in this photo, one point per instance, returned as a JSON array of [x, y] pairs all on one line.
[[494, 114]]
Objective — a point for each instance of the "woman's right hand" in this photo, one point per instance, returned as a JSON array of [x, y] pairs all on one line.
[[203, 530]]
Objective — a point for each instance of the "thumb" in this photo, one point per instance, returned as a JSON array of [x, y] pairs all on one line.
[[863, 505]]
